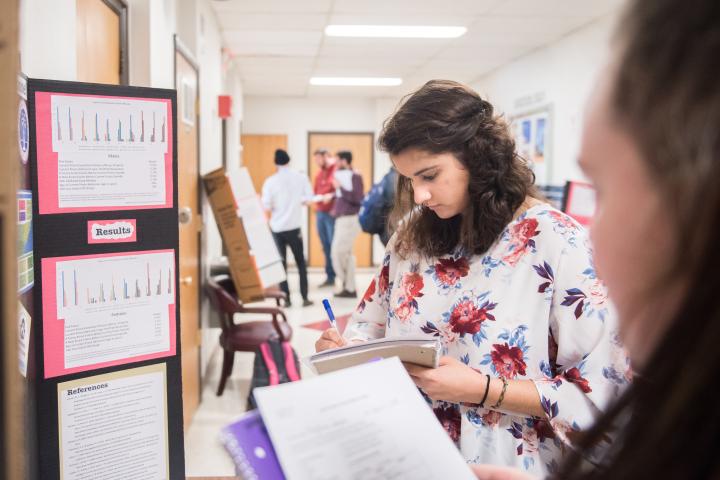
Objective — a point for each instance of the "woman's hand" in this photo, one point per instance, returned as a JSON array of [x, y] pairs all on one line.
[[493, 472], [452, 381], [329, 339]]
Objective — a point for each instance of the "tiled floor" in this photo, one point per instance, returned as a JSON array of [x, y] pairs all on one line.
[[204, 454]]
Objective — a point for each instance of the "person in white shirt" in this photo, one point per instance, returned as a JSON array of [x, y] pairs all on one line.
[[284, 195]]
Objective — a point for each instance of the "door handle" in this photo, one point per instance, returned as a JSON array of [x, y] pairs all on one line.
[[185, 215], [186, 281]]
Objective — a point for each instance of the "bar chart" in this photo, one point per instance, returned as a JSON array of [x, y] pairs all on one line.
[[114, 281], [119, 119]]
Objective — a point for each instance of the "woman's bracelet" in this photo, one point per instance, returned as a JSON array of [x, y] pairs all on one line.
[[502, 394], [487, 389]]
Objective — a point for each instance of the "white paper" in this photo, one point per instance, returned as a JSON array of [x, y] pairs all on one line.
[[24, 325], [114, 426], [260, 239], [115, 307], [368, 421], [111, 152], [344, 177]]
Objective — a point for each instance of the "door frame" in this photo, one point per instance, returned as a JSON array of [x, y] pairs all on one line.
[[312, 180], [120, 7], [14, 406], [181, 49]]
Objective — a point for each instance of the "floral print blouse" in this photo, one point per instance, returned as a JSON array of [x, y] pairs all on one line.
[[530, 308]]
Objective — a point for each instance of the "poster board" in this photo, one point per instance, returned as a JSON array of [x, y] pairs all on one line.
[[103, 179], [243, 269], [579, 201], [262, 245]]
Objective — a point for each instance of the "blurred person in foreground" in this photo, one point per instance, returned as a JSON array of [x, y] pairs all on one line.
[[651, 146]]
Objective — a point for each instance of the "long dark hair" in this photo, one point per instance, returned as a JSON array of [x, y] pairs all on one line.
[[666, 94], [448, 117]]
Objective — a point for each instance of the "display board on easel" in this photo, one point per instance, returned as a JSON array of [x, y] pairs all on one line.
[[104, 373]]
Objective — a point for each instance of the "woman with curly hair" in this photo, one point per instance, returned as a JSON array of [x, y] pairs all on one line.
[[505, 281]]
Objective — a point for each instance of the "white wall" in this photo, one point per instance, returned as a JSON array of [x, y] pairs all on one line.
[[295, 117], [208, 45], [560, 75], [47, 39], [234, 87]]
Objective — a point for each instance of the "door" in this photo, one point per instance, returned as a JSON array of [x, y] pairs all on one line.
[[361, 146], [186, 84], [101, 41], [13, 401], [258, 156]]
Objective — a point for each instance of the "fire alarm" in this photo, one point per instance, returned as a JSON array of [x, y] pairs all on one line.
[[224, 106]]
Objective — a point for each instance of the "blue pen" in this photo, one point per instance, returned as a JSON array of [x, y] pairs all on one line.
[[330, 315]]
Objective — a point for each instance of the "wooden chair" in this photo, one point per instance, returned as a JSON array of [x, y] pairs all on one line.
[[245, 336]]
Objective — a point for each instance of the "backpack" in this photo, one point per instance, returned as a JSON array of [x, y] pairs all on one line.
[[376, 205], [275, 362]]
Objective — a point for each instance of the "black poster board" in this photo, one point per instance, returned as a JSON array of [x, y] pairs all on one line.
[[88, 142]]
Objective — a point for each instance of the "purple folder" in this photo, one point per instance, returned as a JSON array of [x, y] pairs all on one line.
[[249, 445]]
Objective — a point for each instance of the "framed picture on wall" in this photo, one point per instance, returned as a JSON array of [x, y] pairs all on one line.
[[532, 131]]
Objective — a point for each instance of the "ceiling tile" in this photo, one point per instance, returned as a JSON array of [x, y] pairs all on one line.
[[380, 48], [400, 18], [467, 51], [556, 8], [273, 37], [469, 7], [249, 66], [272, 6], [364, 67], [279, 85], [278, 44], [244, 49], [346, 91], [518, 31], [271, 21]]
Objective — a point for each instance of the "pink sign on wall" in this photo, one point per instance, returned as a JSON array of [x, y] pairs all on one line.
[[102, 153], [112, 231], [106, 310], [580, 202]]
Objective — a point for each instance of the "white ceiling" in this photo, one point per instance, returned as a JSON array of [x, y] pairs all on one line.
[[277, 45]]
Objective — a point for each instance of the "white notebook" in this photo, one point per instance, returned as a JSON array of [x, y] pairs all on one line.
[[368, 421], [419, 350]]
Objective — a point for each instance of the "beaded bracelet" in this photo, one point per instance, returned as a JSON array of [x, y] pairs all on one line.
[[487, 389], [502, 393]]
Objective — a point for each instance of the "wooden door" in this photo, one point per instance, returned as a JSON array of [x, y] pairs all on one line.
[[13, 401], [258, 155], [361, 146], [101, 41], [186, 84]]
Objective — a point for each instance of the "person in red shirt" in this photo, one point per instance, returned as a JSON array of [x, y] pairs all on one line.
[[324, 220]]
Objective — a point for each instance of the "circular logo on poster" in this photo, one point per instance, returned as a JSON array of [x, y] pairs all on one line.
[[23, 132]]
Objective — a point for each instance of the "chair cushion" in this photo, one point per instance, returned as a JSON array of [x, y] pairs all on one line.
[[247, 336]]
